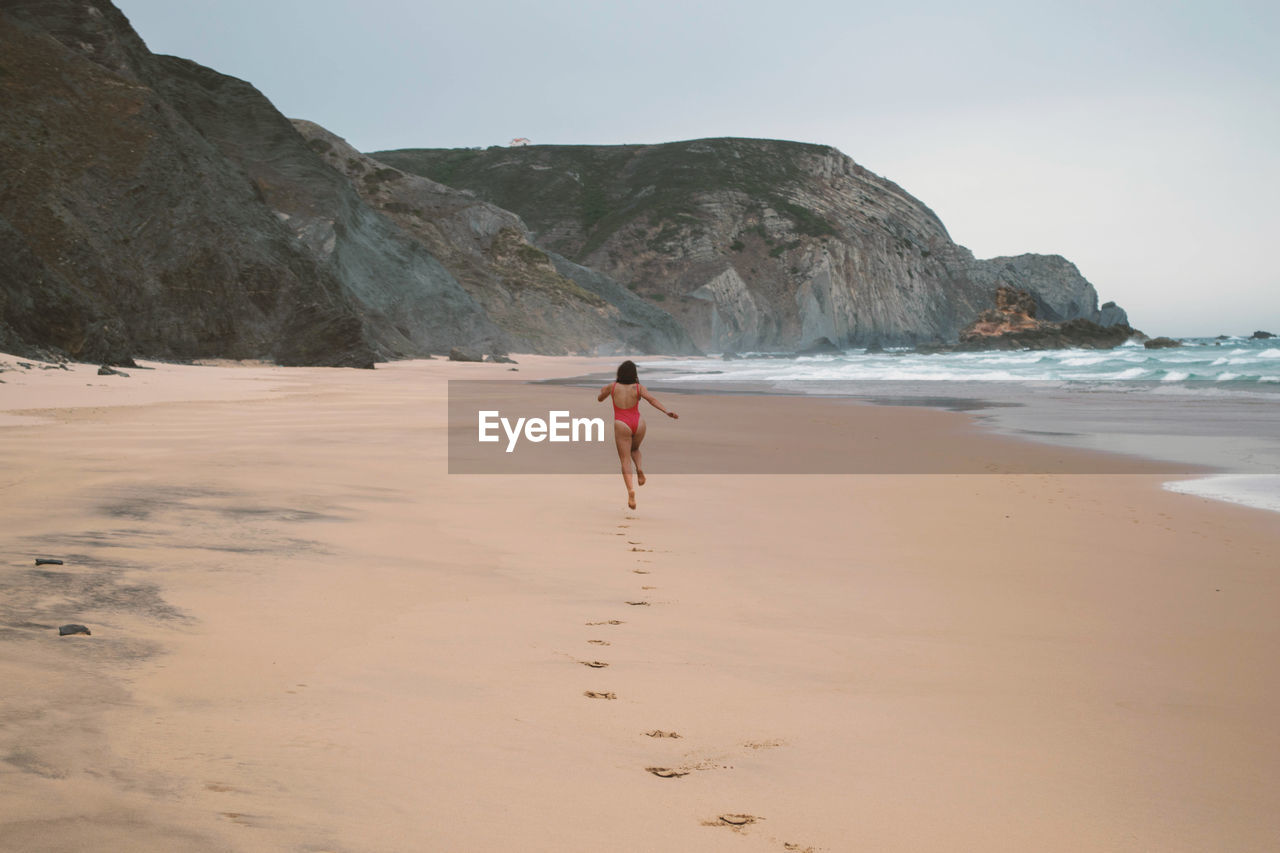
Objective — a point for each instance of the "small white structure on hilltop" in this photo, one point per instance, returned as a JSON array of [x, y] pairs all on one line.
[[518, 141]]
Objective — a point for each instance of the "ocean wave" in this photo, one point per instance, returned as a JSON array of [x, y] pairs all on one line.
[[1085, 361], [1238, 367], [1261, 491]]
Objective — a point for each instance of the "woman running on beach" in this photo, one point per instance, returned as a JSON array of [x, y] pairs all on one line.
[[628, 426]]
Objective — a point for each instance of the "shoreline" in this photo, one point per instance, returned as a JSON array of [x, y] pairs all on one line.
[[1198, 466], [308, 635], [1214, 443]]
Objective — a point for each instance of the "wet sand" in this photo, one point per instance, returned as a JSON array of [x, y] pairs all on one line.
[[308, 635]]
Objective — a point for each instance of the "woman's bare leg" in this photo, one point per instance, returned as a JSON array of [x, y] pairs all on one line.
[[622, 438], [635, 452]]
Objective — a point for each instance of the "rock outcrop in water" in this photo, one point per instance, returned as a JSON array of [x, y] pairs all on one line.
[[756, 244], [1013, 324]]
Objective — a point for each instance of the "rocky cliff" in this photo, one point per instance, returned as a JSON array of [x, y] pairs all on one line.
[[124, 229], [155, 207], [540, 301], [755, 244]]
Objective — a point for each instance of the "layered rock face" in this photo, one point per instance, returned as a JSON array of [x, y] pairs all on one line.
[[754, 244], [541, 302], [155, 207]]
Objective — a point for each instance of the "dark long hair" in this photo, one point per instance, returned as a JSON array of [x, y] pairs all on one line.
[[627, 373]]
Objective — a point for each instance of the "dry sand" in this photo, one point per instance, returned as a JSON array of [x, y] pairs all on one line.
[[308, 636]]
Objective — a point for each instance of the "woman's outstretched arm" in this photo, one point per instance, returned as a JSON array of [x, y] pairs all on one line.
[[653, 401], [604, 392]]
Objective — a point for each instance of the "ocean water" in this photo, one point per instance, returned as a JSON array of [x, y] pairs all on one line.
[[1238, 361], [1209, 405]]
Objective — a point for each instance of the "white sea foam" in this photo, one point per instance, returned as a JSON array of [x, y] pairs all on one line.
[[1197, 359], [1261, 491]]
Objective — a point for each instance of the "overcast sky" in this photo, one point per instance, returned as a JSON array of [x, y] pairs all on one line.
[[1140, 140]]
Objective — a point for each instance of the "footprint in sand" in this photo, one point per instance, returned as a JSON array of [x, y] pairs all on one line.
[[668, 772], [594, 664], [243, 819], [648, 587], [607, 622], [629, 542], [599, 642], [733, 820], [686, 768], [220, 787], [643, 550], [661, 733], [642, 571], [593, 694], [764, 744], [638, 603]]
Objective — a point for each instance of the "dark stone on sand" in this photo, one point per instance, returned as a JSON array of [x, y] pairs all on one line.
[[514, 369], [497, 358], [1161, 343], [42, 561], [729, 356], [460, 354], [821, 346], [72, 629], [1261, 335], [106, 370]]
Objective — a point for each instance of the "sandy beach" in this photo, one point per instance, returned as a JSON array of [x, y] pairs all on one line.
[[308, 635]]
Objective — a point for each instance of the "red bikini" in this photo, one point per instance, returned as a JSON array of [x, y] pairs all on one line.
[[631, 416]]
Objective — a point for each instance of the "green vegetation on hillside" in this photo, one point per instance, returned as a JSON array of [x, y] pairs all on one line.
[[605, 188]]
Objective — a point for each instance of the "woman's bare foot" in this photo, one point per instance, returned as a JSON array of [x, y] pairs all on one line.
[[631, 498], [639, 477]]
